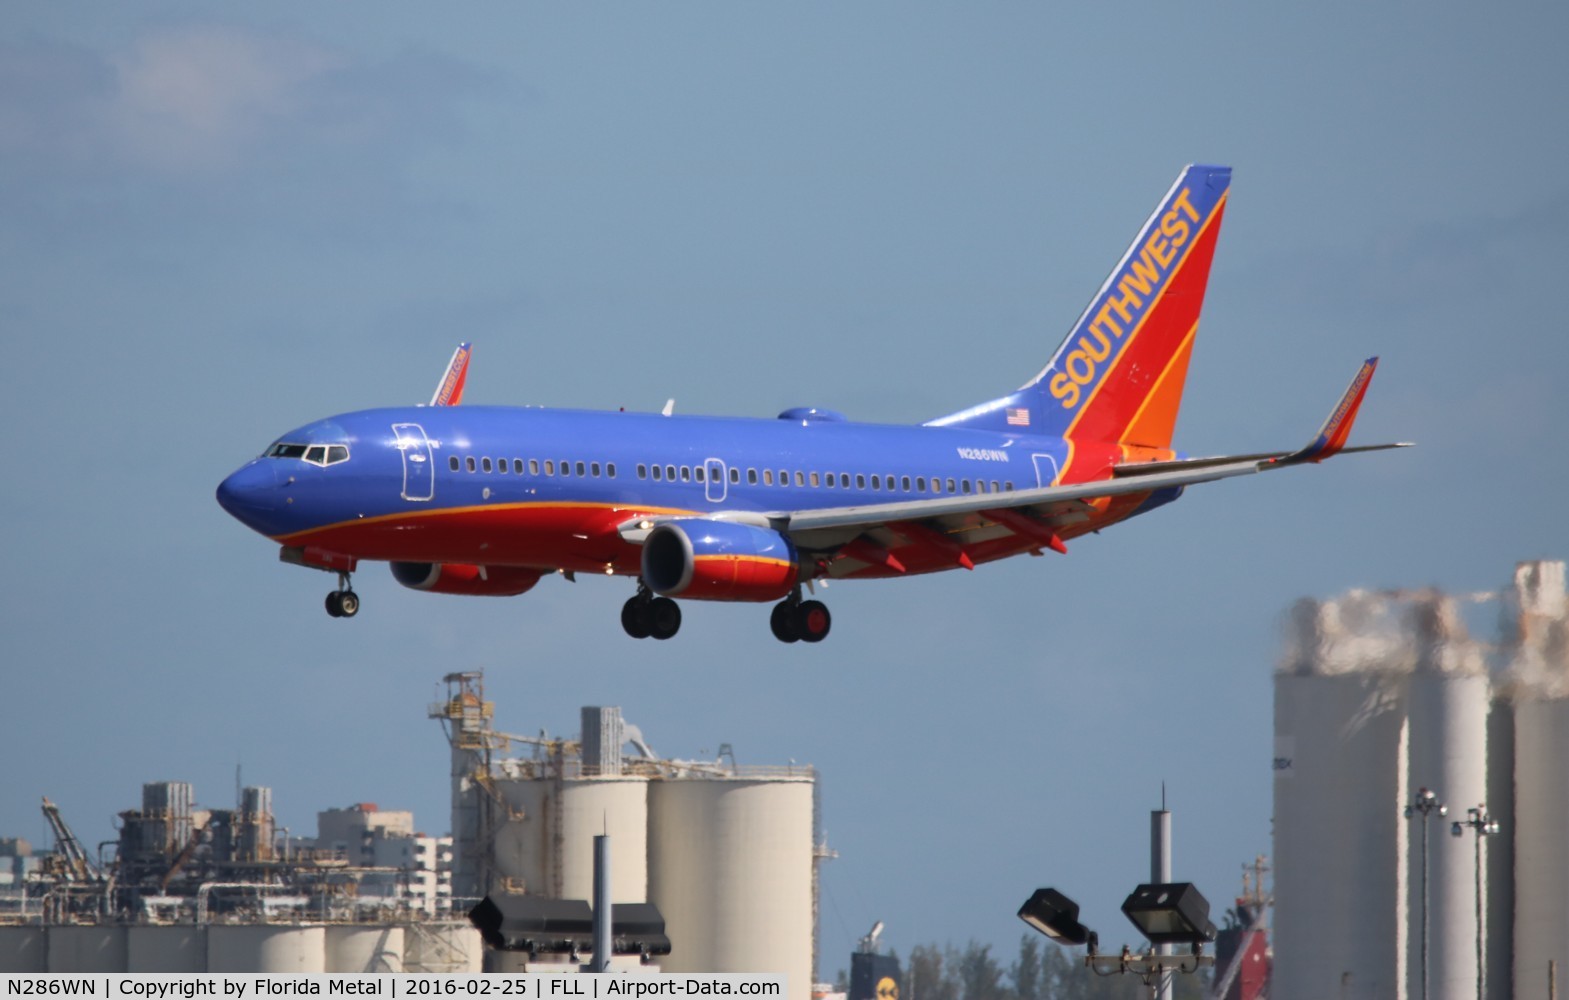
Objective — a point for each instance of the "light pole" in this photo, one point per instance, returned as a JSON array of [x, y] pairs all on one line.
[[1426, 803], [1482, 825]]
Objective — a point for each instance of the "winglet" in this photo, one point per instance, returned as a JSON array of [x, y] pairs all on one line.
[[1332, 436], [449, 391]]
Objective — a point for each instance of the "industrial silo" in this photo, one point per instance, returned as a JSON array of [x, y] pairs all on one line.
[[1540, 671], [442, 946], [87, 948], [730, 868], [166, 948], [363, 948], [544, 841], [266, 948], [24, 948], [1447, 707], [1340, 858]]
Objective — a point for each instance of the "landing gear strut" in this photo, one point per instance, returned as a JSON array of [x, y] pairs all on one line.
[[343, 602], [795, 620], [644, 616]]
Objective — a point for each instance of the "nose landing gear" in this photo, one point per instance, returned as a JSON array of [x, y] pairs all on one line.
[[343, 602]]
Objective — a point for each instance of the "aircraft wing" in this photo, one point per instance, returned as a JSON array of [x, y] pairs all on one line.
[[864, 532]]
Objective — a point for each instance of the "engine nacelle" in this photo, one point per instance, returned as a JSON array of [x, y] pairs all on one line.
[[462, 578], [719, 561]]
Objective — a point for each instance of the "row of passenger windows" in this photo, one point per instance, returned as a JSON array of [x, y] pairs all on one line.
[[700, 473], [825, 480], [566, 468]]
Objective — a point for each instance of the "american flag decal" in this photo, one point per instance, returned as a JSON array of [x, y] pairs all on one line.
[[1018, 416]]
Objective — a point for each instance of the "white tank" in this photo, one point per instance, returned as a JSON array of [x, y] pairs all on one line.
[[166, 948], [730, 868], [442, 946], [77, 948], [1447, 708], [1339, 843], [547, 841], [266, 948], [364, 948], [1541, 923], [23, 949]]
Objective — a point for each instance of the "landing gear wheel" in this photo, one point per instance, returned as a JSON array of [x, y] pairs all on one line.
[[666, 617], [343, 604], [332, 605], [637, 618], [784, 623], [812, 621]]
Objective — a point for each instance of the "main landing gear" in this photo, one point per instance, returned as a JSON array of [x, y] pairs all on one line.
[[343, 602], [795, 620], [645, 615]]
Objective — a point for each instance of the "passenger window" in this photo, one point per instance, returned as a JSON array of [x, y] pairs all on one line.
[[751, 477], [876, 483], [815, 480], [860, 481], [594, 468], [566, 467], [686, 473], [920, 484], [952, 488], [1008, 486], [610, 469], [469, 463], [501, 466], [995, 487], [697, 473], [581, 471], [936, 485], [800, 480], [844, 480], [964, 485], [453, 462], [784, 478], [642, 471], [517, 466], [980, 486], [768, 477], [659, 473], [533, 466], [735, 474], [550, 467]]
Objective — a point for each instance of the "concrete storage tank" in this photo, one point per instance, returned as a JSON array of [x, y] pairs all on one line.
[[1541, 924], [442, 946], [87, 948], [23, 949], [1339, 782], [731, 872], [166, 948], [364, 948], [1447, 708], [546, 840], [266, 948]]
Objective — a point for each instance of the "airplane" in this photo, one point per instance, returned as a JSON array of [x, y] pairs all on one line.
[[487, 500]]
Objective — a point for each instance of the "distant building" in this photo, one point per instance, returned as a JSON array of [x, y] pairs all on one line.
[[405, 864]]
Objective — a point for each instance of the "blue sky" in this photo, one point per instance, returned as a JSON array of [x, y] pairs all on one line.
[[216, 225]]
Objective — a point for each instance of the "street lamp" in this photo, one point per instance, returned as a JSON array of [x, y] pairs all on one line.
[[1482, 825], [1165, 913], [1426, 803]]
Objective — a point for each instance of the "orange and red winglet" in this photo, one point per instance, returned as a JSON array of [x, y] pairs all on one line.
[[1332, 436], [449, 391]]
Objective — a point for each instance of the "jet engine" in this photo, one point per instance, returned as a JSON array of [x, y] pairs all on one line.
[[462, 578], [719, 561]]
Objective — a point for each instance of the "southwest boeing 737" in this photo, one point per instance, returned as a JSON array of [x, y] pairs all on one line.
[[488, 499]]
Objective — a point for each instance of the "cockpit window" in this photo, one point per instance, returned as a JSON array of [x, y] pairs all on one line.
[[316, 454]]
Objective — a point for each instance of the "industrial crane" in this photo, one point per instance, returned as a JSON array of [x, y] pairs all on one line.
[[78, 867]]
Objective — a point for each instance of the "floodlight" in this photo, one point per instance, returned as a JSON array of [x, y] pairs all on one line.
[[1055, 916], [1170, 913]]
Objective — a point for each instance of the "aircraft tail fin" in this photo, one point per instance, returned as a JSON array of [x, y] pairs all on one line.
[[1119, 375], [449, 391]]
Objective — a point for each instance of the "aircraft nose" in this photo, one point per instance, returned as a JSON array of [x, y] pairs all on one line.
[[251, 492]]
